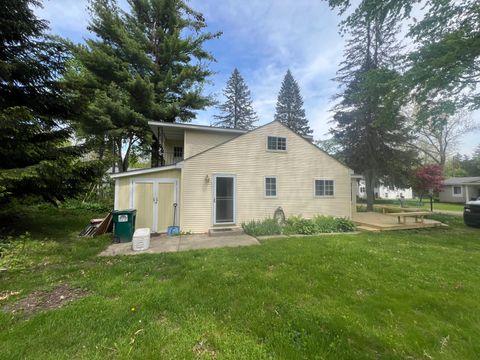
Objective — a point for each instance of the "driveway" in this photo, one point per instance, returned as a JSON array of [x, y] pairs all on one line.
[[165, 244]]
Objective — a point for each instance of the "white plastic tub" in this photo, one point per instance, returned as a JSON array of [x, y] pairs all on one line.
[[141, 239]]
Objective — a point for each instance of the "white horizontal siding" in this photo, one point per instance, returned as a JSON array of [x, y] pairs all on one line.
[[198, 141], [247, 158]]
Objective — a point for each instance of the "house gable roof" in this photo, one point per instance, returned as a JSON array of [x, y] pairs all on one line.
[[207, 128], [304, 138]]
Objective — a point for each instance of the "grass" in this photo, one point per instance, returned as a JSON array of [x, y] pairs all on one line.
[[394, 295], [425, 205]]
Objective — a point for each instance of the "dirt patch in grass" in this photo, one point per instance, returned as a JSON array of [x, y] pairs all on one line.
[[202, 348], [46, 300]]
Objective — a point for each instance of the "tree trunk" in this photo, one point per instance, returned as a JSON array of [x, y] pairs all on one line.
[[155, 157], [101, 149], [443, 159], [122, 163], [370, 189]]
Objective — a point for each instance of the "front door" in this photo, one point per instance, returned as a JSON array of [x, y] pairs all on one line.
[[224, 200]]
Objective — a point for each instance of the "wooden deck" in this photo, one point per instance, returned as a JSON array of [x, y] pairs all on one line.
[[373, 221]]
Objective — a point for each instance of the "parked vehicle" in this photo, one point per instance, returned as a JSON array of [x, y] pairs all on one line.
[[471, 213]]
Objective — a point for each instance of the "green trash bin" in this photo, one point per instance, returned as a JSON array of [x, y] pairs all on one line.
[[123, 225]]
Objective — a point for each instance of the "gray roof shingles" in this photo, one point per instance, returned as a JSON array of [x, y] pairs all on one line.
[[462, 180]]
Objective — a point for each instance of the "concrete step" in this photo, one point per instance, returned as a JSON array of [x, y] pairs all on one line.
[[225, 231]]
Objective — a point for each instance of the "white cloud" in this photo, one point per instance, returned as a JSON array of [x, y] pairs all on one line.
[[300, 35], [65, 16]]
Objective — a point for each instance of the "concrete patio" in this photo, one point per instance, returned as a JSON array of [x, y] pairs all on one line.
[[165, 244]]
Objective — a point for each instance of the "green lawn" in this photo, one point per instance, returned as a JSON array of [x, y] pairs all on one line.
[[424, 205], [393, 295]]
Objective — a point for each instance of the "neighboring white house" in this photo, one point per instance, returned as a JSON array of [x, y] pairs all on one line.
[[215, 177], [385, 192], [460, 189]]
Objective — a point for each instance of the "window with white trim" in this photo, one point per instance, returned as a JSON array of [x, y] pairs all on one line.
[[457, 191], [270, 186], [276, 143], [178, 151], [324, 187]]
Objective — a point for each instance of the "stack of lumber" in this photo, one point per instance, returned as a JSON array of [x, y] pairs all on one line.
[[98, 226]]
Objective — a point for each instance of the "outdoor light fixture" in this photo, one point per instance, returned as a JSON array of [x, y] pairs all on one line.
[[207, 179]]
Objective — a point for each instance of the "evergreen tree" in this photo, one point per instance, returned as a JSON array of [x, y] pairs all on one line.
[[368, 123], [289, 109], [145, 64], [36, 156], [237, 110]]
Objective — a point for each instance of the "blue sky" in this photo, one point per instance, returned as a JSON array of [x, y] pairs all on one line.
[[262, 38]]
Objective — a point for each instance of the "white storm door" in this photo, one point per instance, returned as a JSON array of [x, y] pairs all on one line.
[[224, 199]]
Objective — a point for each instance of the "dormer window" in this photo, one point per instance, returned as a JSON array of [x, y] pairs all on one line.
[[276, 143]]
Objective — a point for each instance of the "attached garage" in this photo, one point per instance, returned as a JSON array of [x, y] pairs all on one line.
[[155, 194]]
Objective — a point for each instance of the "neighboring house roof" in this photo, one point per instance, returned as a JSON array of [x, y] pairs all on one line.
[[462, 180]]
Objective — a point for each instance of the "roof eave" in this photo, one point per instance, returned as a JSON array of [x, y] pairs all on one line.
[[178, 165], [196, 127]]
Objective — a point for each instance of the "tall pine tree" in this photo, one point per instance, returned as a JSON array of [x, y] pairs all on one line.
[[237, 110], [144, 64], [368, 122], [289, 109], [36, 155]]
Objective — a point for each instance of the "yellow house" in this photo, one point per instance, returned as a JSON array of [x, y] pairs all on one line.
[[218, 178]]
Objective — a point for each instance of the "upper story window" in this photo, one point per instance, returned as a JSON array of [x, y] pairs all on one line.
[[276, 143], [178, 151], [324, 187], [270, 186]]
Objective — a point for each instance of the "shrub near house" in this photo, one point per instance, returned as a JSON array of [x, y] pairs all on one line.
[[299, 225]]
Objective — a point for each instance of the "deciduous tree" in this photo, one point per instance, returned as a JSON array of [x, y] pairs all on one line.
[[428, 180], [437, 136]]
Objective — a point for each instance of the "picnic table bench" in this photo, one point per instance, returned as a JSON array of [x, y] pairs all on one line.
[[386, 209], [416, 214]]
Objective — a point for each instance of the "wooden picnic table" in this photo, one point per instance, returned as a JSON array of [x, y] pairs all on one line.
[[386, 209], [403, 215]]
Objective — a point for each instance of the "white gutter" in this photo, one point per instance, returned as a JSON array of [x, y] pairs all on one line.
[[196, 127], [147, 171]]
